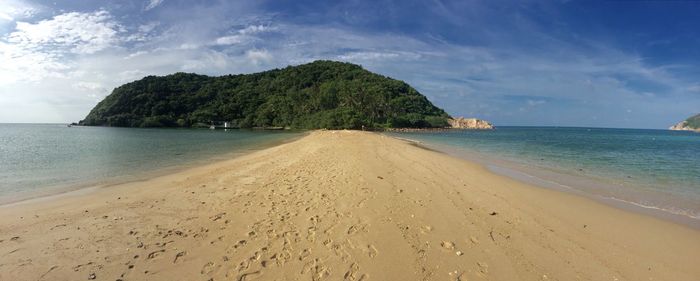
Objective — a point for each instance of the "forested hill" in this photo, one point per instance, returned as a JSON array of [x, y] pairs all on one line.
[[693, 122], [690, 124], [321, 94]]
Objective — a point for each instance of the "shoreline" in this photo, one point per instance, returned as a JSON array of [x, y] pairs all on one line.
[[556, 180], [46, 192], [332, 205]]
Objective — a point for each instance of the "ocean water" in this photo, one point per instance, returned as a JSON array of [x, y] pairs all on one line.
[[46, 158], [651, 169]]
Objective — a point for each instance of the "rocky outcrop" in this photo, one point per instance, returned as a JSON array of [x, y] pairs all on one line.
[[469, 123], [690, 124], [683, 126]]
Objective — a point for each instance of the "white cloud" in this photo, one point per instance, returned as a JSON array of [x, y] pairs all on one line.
[[21, 64], [91, 86], [693, 88], [128, 75], [253, 29], [93, 90], [256, 56], [243, 36], [62, 56], [364, 56], [231, 40], [11, 10], [360, 56], [148, 27], [143, 33], [136, 54], [535, 102], [152, 4], [81, 33], [37, 50]]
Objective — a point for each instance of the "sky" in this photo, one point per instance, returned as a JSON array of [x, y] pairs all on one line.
[[621, 64]]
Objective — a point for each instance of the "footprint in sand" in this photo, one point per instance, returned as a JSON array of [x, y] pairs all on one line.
[[249, 275], [447, 245], [461, 276], [217, 216], [356, 228], [81, 266], [49, 271], [311, 234], [372, 251], [243, 265], [483, 267], [426, 229], [240, 243], [179, 256], [351, 274], [317, 269], [315, 219], [327, 242], [155, 254], [304, 254], [207, 268]]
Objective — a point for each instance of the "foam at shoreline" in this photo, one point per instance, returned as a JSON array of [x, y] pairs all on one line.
[[580, 185]]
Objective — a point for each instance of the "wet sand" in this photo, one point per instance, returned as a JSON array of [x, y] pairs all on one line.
[[337, 205]]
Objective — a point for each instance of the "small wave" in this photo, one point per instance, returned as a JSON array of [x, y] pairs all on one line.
[[407, 139], [510, 172], [538, 181], [674, 211]]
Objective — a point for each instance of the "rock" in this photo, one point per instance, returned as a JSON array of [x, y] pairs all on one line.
[[469, 123], [683, 126], [690, 124], [92, 276]]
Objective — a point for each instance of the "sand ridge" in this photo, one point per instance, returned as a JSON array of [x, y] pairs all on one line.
[[338, 205]]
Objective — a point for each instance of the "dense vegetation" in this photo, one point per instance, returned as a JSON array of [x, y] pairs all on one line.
[[693, 122], [321, 94]]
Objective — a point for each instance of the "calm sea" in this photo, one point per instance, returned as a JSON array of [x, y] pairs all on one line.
[[47, 158], [652, 169]]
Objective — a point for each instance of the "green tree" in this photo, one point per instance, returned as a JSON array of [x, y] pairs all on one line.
[[321, 94]]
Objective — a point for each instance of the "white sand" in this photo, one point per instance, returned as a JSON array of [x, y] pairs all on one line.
[[338, 205]]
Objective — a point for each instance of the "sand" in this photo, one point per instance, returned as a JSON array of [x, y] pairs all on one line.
[[337, 205]]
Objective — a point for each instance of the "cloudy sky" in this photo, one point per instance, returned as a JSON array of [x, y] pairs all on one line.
[[562, 63]]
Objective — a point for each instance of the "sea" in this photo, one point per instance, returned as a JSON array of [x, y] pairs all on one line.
[[651, 171], [43, 159]]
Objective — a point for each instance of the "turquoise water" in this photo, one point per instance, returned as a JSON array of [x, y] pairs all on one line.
[[44, 157], [655, 169], [650, 168]]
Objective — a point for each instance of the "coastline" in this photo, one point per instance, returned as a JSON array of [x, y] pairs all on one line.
[[332, 205], [629, 197], [81, 187]]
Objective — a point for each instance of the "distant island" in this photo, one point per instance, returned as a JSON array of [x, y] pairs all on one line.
[[690, 124], [321, 94]]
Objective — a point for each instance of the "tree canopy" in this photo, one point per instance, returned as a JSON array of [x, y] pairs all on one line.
[[321, 94], [693, 122]]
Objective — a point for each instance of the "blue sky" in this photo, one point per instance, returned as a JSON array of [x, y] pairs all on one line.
[[561, 63]]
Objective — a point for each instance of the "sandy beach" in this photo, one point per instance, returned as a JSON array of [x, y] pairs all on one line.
[[337, 205]]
